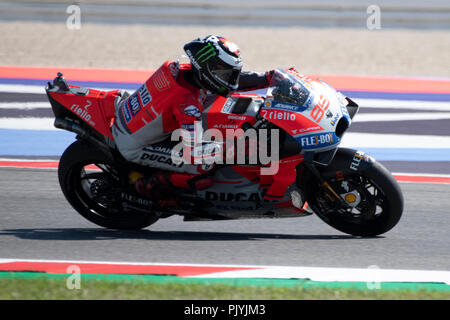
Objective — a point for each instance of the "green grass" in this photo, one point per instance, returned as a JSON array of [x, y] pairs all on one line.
[[35, 286]]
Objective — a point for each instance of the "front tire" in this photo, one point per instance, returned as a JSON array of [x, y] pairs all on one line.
[[89, 182], [378, 200]]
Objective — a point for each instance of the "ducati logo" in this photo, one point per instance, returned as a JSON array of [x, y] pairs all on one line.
[[226, 196]]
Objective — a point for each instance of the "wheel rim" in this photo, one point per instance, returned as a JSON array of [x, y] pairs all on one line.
[[371, 206], [94, 187]]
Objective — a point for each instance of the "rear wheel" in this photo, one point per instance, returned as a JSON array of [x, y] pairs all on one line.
[[373, 201], [92, 186]]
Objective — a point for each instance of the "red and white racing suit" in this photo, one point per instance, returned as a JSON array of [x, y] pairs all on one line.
[[165, 102]]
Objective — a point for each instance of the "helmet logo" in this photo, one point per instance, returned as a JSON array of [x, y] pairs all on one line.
[[206, 53], [231, 46]]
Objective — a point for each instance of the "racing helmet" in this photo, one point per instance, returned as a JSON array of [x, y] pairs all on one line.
[[217, 63]]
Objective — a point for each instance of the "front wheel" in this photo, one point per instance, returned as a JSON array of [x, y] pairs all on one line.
[[372, 202]]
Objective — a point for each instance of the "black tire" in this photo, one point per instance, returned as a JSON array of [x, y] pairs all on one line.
[[73, 180], [378, 212]]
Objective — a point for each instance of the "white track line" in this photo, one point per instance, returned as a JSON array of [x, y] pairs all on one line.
[[409, 174], [351, 139], [24, 105], [28, 123], [382, 140], [19, 88], [370, 274]]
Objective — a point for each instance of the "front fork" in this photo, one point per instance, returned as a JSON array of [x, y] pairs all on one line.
[[331, 193], [316, 176], [345, 163]]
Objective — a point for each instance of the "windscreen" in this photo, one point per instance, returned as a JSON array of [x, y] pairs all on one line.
[[287, 88]]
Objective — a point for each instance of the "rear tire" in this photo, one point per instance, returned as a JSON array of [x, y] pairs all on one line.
[[87, 191]]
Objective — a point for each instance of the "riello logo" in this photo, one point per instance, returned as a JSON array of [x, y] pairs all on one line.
[[82, 112], [278, 115]]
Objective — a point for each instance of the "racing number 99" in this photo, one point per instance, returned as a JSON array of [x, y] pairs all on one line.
[[319, 109]]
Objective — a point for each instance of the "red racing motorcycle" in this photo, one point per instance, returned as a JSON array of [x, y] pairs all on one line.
[[346, 188]]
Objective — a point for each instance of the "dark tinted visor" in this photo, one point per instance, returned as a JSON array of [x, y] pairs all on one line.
[[226, 73]]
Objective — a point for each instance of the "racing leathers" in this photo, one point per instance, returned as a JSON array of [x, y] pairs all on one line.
[[170, 99]]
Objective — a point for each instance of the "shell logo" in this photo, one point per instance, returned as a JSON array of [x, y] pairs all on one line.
[[350, 198]]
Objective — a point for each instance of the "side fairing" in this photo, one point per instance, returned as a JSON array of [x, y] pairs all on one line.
[[313, 124]]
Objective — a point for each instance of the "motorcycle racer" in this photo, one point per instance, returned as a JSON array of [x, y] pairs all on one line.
[[297, 124], [173, 98]]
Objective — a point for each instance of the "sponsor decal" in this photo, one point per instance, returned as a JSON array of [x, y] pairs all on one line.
[[82, 112], [193, 61], [350, 198], [206, 53], [237, 117], [134, 105], [188, 126], [357, 158], [89, 103], [126, 112], [192, 111], [227, 196], [278, 115], [305, 130], [136, 200], [225, 126], [160, 159], [288, 106], [228, 106], [160, 149], [146, 97], [317, 141], [335, 120]]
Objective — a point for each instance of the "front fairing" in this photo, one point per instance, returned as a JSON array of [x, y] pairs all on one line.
[[311, 111]]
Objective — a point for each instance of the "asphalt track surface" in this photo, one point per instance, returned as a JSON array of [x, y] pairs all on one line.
[[36, 222]]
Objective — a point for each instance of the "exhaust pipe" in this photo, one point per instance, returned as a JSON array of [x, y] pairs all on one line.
[[82, 133]]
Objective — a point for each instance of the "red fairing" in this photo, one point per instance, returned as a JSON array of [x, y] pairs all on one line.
[[221, 120], [96, 108], [277, 183]]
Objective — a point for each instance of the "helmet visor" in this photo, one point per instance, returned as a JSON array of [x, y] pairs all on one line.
[[226, 74], [230, 77]]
